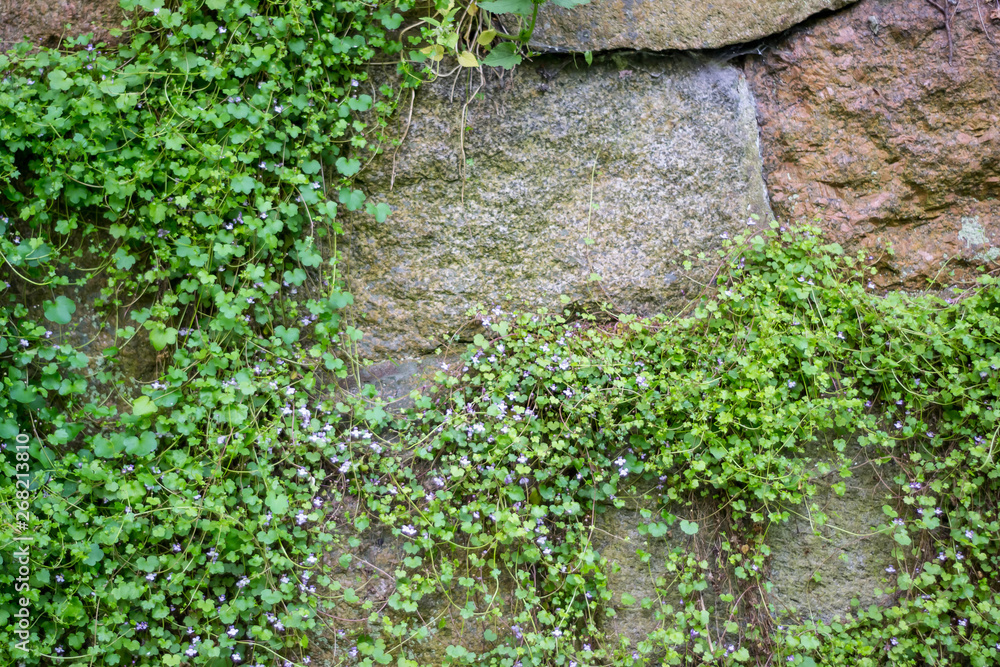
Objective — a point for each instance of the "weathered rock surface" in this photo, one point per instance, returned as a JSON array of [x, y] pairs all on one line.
[[651, 578], [645, 156], [818, 565], [658, 25], [373, 569], [867, 126], [46, 22]]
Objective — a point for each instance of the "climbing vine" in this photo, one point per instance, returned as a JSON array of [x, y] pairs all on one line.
[[213, 506], [187, 184], [552, 420]]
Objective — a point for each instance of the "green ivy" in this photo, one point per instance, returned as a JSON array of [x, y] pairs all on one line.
[[188, 185], [551, 420]]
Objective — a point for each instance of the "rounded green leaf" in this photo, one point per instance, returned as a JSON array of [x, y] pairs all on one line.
[[689, 527], [22, 393], [59, 311], [348, 167], [143, 406]]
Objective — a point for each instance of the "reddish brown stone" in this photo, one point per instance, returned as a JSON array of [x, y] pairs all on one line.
[[44, 22], [866, 127]]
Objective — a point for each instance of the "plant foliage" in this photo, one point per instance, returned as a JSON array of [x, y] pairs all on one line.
[[187, 186]]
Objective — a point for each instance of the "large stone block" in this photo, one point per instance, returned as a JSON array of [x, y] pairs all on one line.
[[562, 172], [831, 551], [47, 22], [658, 25], [870, 126]]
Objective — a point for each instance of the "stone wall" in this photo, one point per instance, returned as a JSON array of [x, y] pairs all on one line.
[[514, 190], [665, 25], [864, 126], [47, 22], [563, 172], [868, 125]]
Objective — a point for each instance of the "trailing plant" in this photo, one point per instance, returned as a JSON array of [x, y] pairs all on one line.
[[188, 184], [498, 478]]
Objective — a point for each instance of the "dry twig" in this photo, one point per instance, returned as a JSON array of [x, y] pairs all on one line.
[[948, 16]]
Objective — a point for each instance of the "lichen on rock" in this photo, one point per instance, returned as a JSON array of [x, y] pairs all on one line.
[[560, 174], [659, 25], [868, 127]]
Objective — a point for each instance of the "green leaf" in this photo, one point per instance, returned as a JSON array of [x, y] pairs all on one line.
[[123, 260], [381, 211], [96, 554], [689, 527], [522, 7], [352, 199], [147, 563], [22, 393], [104, 448], [271, 597], [658, 529], [392, 22], [515, 493], [59, 311], [160, 337], [278, 504], [243, 184], [348, 167], [143, 406], [144, 445], [486, 37], [59, 81], [569, 4], [503, 55]]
